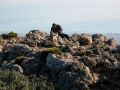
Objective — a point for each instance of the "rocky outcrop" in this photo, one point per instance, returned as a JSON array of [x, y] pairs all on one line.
[[37, 34], [85, 39], [85, 62]]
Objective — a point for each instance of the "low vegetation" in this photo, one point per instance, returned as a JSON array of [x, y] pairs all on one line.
[[10, 35], [11, 80], [54, 50]]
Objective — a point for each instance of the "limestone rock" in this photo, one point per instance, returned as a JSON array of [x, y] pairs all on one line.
[[55, 63], [16, 50], [37, 34]]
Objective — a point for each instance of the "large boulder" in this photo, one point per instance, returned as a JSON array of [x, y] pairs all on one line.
[[30, 66], [55, 62], [35, 38], [85, 39], [37, 34], [11, 67], [15, 50], [74, 79]]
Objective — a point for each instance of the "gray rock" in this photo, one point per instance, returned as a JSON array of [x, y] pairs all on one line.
[[55, 63], [85, 39], [16, 50], [72, 80], [97, 50], [90, 62], [11, 67], [75, 37], [99, 37], [30, 66], [37, 34], [51, 43], [65, 80]]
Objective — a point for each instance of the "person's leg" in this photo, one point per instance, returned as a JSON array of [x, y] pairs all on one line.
[[63, 35]]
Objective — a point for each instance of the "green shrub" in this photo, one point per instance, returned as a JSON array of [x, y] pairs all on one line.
[[11, 80], [9, 35], [54, 50]]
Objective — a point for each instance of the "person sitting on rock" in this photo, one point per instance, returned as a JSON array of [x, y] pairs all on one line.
[[57, 29]]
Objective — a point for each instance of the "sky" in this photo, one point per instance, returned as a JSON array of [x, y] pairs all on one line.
[[75, 16]]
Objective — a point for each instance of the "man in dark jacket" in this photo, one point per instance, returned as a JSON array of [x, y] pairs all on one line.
[[57, 29]]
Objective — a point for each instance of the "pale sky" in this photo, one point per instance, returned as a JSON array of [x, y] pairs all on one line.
[[74, 16]]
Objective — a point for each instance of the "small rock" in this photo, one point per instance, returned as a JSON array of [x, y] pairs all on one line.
[[112, 42], [16, 50], [90, 62], [85, 39], [99, 37], [75, 37]]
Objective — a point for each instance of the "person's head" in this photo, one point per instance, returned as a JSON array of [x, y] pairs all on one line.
[[53, 24]]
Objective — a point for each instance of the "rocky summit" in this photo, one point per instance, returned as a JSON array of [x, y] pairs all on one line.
[[84, 62]]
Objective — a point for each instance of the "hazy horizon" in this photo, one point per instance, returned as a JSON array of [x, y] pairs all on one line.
[[89, 16]]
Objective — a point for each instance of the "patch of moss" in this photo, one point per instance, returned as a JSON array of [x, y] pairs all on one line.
[[53, 50]]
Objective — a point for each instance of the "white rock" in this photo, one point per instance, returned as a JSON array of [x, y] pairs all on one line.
[[55, 63]]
